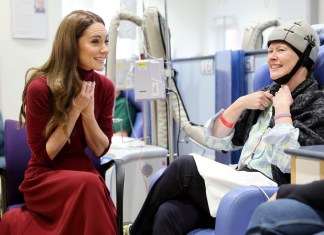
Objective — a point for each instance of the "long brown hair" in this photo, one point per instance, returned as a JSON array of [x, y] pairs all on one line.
[[61, 69]]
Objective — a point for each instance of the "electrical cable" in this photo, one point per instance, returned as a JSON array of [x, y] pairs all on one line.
[[264, 193], [180, 99], [179, 124]]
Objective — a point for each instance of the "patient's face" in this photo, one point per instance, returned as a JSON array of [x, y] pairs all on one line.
[[281, 59]]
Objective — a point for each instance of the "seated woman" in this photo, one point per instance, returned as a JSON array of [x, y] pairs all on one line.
[[67, 107], [264, 123], [299, 210]]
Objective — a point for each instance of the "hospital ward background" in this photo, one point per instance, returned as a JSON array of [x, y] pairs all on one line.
[[178, 62]]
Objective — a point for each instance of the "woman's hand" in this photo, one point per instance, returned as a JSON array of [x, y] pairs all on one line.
[[283, 98], [257, 100], [89, 110], [84, 102]]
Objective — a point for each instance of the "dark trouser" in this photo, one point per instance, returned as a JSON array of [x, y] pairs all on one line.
[[177, 202]]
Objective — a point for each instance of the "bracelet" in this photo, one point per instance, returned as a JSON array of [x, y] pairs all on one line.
[[226, 123], [282, 115]]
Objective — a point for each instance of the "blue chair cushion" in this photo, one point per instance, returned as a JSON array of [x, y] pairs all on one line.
[[261, 77], [319, 66], [130, 95]]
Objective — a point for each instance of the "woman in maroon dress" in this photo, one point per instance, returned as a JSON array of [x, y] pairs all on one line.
[[67, 107]]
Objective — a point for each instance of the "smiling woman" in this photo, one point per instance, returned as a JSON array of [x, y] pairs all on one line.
[[67, 107], [93, 47]]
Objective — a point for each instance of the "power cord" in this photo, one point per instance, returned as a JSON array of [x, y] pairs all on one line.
[[179, 124]]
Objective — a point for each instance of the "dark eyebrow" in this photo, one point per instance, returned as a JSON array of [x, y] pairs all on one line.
[[95, 36]]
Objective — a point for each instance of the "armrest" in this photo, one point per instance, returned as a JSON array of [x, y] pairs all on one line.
[[236, 208], [307, 163], [313, 151], [120, 177]]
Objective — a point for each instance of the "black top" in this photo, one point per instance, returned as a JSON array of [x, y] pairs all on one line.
[[310, 194], [307, 112]]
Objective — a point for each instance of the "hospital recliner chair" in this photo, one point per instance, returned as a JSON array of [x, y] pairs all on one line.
[[236, 207]]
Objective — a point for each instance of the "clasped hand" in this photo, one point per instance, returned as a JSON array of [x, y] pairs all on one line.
[[283, 98], [262, 99], [84, 101]]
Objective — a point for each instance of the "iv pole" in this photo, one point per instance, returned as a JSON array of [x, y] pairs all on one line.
[[161, 128], [168, 75]]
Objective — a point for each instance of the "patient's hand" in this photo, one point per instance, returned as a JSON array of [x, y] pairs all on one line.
[[257, 100]]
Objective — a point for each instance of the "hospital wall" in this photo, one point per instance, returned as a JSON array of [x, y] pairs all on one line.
[[195, 31], [232, 16], [17, 55]]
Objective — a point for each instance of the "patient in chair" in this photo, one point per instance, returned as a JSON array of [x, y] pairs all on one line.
[[286, 114]]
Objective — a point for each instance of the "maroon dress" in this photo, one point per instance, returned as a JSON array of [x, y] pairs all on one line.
[[64, 196]]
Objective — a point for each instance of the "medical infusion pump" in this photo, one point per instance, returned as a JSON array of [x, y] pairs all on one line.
[[146, 77], [149, 79]]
